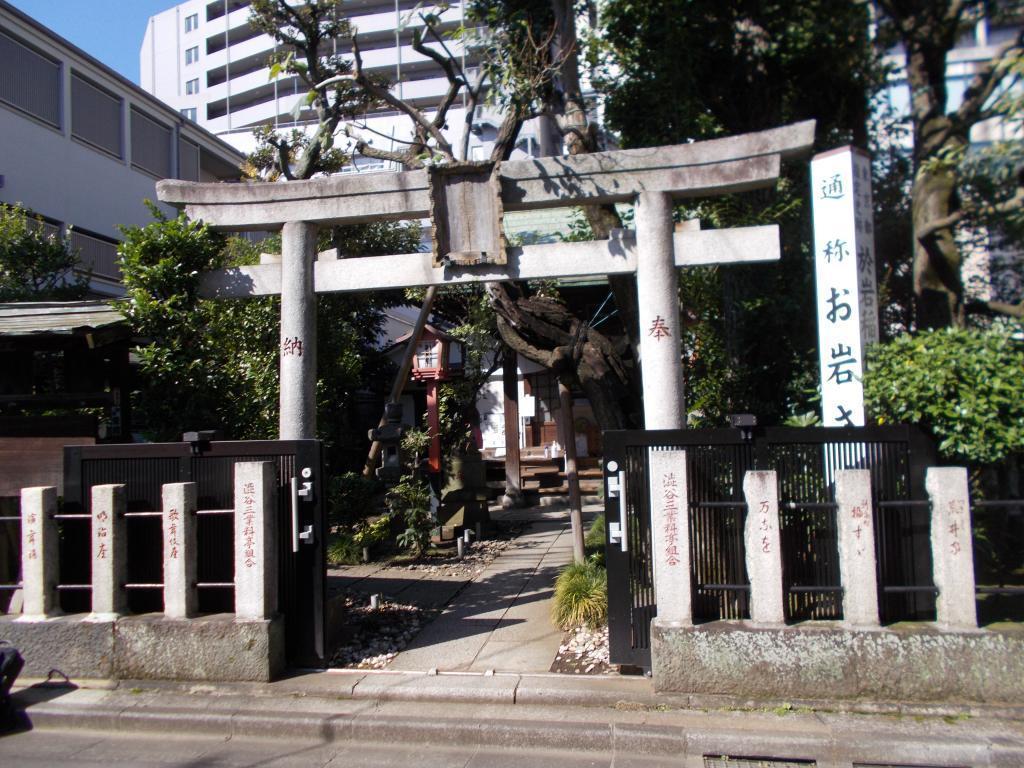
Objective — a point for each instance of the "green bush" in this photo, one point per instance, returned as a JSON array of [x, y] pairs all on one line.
[[36, 265], [593, 541], [367, 534], [581, 596], [351, 497], [409, 500], [963, 385], [342, 549]]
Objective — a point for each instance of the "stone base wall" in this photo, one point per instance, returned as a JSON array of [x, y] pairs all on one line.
[[910, 663], [214, 648]]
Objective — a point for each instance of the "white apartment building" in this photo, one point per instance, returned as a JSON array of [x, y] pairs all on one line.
[[83, 146], [207, 61]]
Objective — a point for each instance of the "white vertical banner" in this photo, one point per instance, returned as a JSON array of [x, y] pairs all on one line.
[[844, 269]]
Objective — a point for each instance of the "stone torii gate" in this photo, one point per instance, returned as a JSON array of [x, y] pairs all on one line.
[[466, 205]]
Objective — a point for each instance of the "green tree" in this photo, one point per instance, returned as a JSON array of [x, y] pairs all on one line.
[[958, 194], [305, 33], [36, 265], [204, 365], [214, 364], [680, 70], [530, 68]]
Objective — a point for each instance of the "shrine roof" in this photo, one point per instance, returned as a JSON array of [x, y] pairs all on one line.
[[428, 329], [57, 318]]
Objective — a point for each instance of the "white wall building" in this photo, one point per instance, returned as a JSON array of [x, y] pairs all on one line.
[[207, 61], [84, 146]]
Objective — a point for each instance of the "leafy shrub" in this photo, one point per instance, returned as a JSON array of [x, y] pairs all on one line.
[[595, 533], [367, 534], [964, 385], [594, 541], [35, 264], [351, 497], [410, 500], [342, 549], [581, 596]]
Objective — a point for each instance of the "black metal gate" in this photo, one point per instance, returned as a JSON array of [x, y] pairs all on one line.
[[144, 468], [805, 460]]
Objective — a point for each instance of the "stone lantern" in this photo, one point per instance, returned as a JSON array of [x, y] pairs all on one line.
[[438, 358], [390, 436]]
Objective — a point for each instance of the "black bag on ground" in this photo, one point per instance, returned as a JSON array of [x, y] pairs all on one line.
[[11, 663]]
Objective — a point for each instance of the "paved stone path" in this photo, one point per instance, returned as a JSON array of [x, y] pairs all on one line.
[[501, 619]]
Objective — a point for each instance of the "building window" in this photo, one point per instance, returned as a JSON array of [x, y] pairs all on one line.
[[192, 86], [95, 115], [29, 80], [192, 54], [97, 253], [188, 160], [151, 145], [189, 112], [191, 22]]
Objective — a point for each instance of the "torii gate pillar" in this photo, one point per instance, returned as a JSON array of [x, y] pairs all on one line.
[[657, 289], [298, 331]]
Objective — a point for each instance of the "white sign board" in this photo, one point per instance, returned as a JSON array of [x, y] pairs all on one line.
[[527, 406], [844, 267]]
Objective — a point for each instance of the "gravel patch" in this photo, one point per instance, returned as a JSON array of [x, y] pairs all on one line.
[[477, 556], [584, 651], [374, 636]]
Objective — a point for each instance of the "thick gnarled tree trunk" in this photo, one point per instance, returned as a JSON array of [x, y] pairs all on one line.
[[543, 329], [929, 30]]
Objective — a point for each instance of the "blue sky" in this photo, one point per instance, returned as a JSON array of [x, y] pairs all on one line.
[[110, 30]]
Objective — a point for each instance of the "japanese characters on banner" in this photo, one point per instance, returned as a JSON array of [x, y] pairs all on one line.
[[844, 267]]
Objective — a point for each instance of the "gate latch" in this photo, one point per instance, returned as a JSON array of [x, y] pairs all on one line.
[[614, 533], [617, 490], [306, 491]]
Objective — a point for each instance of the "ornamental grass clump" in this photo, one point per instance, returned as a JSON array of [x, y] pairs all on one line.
[[581, 596]]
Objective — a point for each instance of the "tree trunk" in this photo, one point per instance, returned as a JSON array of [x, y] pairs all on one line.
[[937, 260], [543, 330], [928, 35], [572, 478]]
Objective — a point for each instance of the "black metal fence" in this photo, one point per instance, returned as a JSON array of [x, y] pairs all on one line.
[[998, 538], [806, 460]]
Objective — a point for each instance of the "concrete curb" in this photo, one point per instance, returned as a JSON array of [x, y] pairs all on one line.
[[617, 693], [839, 741]]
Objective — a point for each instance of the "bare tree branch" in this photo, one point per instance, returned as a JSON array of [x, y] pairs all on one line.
[[473, 94], [284, 154], [406, 158], [990, 308], [385, 95], [985, 82], [1014, 204], [364, 127], [455, 83]]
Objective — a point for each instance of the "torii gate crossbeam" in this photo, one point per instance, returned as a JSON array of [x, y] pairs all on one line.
[[651, 178]]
